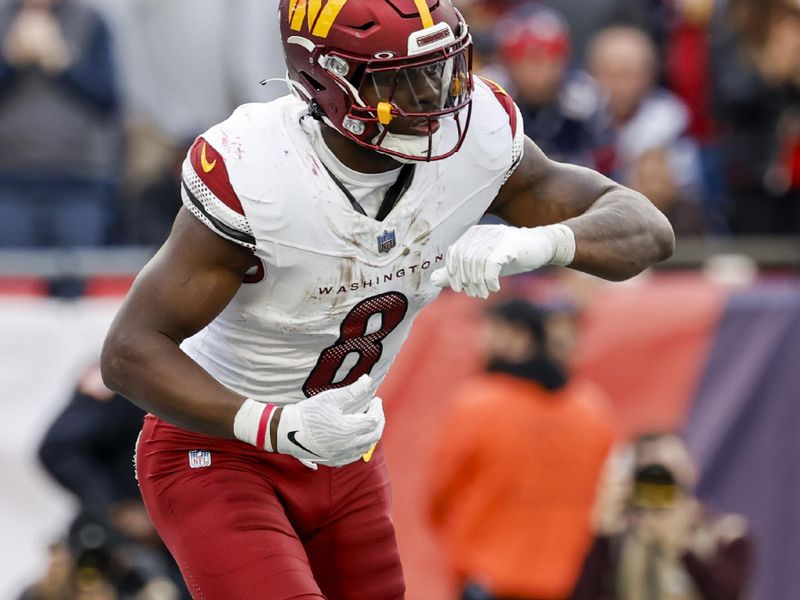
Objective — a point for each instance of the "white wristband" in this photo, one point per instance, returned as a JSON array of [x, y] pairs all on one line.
[[563, 244], [252, 424]]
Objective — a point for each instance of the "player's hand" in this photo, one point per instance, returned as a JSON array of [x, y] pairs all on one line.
[[334, 428], [475, 263]]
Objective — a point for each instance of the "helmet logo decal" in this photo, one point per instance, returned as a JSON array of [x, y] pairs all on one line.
[[320, 18], [424, 13], [432, 38]]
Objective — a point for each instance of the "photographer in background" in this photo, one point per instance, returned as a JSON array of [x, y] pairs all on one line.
[[656, 540], [89, 449]]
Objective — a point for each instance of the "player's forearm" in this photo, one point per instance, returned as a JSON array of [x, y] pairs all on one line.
[[151, 370], [620, 235]]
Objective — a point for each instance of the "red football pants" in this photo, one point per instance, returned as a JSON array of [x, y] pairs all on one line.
[[257, 526]]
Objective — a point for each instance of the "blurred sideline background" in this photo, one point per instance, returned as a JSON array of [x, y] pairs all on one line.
[[694, 102]]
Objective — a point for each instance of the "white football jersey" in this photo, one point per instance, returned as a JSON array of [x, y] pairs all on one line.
[[337, 291]]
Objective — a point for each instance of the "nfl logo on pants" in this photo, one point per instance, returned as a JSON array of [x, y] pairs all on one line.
[[386, 241], [199, 459]]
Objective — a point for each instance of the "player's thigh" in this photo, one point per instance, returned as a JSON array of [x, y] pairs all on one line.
[[355, 557], [225, 527]]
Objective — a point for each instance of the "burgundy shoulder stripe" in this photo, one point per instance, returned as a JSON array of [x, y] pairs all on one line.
[[210, 167], [506, 101]]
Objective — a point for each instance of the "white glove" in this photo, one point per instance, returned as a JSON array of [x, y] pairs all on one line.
[[475, 263], [333, 428]]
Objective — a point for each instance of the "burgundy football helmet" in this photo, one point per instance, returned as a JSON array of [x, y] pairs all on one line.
[[379, 71]]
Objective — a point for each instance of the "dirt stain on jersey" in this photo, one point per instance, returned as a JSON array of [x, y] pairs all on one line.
[[315, 168], [417, 273], [350, 270], [423, 239]]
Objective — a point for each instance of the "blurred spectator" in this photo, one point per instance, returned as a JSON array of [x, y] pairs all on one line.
[[59, 125], [586, 19], [653, 153], [483, 16], [56, 584], [688, 68], [518, 463], [89, 450], [657, 541], [563, 109], [688, 74], [757, 99], [185, 65]]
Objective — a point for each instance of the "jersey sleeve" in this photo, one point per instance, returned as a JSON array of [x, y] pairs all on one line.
[[514, 121], [207, 193]]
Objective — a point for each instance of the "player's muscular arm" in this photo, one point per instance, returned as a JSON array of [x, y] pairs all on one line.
[[618, 232], [559, 215], [188, 283]]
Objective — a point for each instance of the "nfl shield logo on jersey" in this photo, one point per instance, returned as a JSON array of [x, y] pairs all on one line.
[[199, 459], [386, 241]]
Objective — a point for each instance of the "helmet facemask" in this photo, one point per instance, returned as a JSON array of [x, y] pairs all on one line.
[[404, 104], [397, 105]]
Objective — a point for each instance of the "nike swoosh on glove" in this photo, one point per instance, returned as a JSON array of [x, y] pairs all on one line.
[[475, 263], [333, 428]]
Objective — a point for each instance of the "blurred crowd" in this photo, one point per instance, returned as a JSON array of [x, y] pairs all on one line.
[[695, 103], [692, 102], [99, 100]]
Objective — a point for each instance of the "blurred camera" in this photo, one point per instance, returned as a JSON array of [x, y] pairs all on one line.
[[91, 541], [102, 554], [655, 487]]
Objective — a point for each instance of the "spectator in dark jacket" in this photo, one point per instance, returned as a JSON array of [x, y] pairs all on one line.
[[756, 59], [89, 447], [59, 127]]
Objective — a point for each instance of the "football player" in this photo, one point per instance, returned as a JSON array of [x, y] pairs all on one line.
[[315, 228]]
